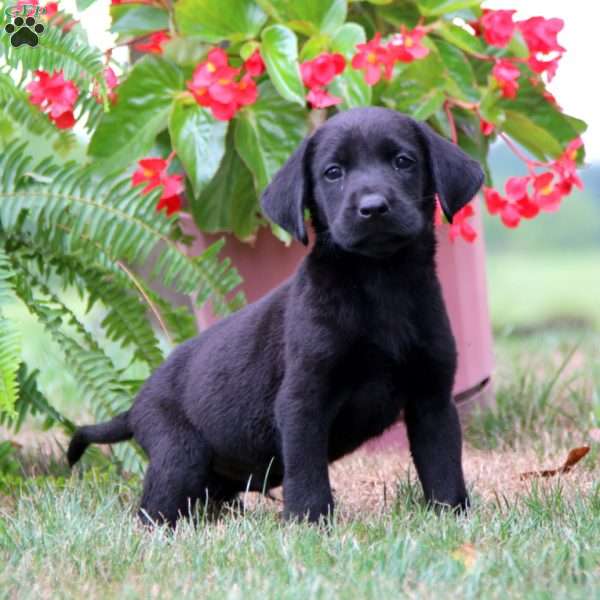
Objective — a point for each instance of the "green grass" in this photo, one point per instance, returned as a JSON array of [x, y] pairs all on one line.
[[74, 536], [84, 542], [531, 289]]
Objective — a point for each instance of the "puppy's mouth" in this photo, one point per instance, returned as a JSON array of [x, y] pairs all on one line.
[[381, 245]]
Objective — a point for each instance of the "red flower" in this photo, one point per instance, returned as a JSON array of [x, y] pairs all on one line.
[[254, 65], [153, 172], [371, 57], [406, 46], [247, 92], [541, 66], [565, 167], [320, 71], [498, 27], [55, 96], [214, 84], [486, 127], [516, 188], [460, 227], [154, 42], [506, 75], [321, 98], [547, 195], [51, 9], [540, 34], [497, 204]]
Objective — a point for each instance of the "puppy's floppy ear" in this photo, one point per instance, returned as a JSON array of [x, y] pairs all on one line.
[[456, 177], [286, 197]]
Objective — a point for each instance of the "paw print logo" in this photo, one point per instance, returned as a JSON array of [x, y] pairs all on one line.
[[24, 31]]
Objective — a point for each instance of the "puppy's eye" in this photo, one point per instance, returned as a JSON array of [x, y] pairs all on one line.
[[401, 161], [334, 173]]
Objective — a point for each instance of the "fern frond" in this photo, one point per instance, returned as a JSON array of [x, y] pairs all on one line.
[[95, 372], [109, 213], [32, 402], [10, 359], [10, 341]]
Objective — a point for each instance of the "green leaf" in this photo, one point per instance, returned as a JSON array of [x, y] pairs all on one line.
[[229, 202], [267, 133], [127, 132], [538, 140], [417, 88], [545, 129], [198, 140], [279, 50], [461, 38], [215, 20], [460, 81], [10, 359], [440, 7], [138, 19], [350, 85], [403, 13], [308, 16]]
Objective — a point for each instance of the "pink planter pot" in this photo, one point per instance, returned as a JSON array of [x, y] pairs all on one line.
[[461, 268]]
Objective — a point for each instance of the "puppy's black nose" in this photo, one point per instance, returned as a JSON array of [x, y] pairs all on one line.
[[372, 206]]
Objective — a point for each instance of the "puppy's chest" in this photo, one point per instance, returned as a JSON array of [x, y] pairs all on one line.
[[389, 322]]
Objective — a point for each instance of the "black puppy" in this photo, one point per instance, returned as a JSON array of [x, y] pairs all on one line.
[[275, 392]]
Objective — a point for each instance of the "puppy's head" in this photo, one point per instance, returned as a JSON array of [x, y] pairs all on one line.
[[369, 177]]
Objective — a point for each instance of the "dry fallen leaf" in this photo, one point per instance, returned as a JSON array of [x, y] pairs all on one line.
[[573, 458], [465, 554]]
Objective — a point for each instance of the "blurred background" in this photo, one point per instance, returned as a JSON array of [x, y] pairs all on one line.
[[546, 274]]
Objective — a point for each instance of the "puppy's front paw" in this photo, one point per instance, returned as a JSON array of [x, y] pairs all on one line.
[[312, 511], [459, 504]]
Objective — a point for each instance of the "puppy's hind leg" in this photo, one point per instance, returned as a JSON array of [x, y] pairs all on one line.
[[176, 479]]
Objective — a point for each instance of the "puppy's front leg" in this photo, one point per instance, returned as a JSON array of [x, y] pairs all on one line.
[[435, 444], [303, 422]]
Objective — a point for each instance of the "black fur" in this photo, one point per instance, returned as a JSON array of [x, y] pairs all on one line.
[[275, 392]]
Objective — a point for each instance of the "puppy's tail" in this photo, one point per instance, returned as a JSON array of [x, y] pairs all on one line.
[[115, 430]]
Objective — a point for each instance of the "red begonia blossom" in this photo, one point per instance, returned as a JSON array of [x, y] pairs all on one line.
[[56, 96], [498, 27], [154, 43], [565, 166], [498, 204], [51, 9], [506, 74], [215, 85], [254, 65], [460, 227], [486, 127], [320, 71], [540, 34], [371, 57], [544, 66], [153, 172], [321, 98], [547, 193], [406, 46]]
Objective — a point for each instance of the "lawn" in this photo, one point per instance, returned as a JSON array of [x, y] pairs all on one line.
[[69, 537]]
